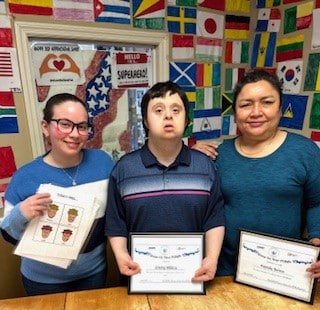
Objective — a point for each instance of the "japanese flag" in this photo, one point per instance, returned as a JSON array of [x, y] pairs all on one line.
[[210, 25]]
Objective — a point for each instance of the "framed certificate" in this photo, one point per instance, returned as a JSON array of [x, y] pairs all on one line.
[[168, 262], [276, 264]]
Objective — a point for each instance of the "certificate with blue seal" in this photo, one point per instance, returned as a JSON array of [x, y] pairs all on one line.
[[168, 262], [276, 264]]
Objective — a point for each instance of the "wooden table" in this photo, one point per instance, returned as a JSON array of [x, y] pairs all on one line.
[[222, 294], [45, 302], [111, 298]]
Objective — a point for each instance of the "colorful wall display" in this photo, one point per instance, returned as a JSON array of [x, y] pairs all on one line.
[[208, 40]]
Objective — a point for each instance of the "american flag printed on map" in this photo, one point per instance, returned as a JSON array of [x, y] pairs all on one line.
[[98, 89], [9, 71]]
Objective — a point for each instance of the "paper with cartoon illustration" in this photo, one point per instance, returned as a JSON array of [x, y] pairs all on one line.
[[58, 236]]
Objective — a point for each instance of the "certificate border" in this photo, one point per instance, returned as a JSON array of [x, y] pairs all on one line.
[[164, 235], [276, 237]]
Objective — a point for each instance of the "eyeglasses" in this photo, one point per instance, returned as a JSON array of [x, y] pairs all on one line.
[[66, 126]]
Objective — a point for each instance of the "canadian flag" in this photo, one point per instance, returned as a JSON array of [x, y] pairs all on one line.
[[210, 25]]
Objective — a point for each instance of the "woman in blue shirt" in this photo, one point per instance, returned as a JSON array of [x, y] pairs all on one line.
[[270, 178]]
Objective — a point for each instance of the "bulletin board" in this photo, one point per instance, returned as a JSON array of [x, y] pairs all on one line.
[[106, 77], [45, 34]]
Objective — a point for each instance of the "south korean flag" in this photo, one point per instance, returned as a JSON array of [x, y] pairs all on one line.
[[290, 74]]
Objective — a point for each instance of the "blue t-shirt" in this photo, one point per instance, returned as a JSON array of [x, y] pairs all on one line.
[[92, 177], [266, 194], [145, 196]]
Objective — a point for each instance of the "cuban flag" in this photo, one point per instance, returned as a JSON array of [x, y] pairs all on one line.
[[112, 11]]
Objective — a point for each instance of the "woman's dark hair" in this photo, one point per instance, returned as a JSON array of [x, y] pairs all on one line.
[[254, 76], [57, 100], [159, 90]]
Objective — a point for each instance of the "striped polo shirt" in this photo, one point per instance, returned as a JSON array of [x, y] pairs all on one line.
[[145, 196]]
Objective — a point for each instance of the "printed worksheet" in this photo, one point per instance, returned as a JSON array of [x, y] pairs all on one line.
[[58, 236]]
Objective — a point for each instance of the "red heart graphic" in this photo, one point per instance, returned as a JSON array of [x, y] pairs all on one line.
[[59, 64]]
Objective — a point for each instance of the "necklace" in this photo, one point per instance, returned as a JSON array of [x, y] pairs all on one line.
[[73, 179], [261, 150]]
